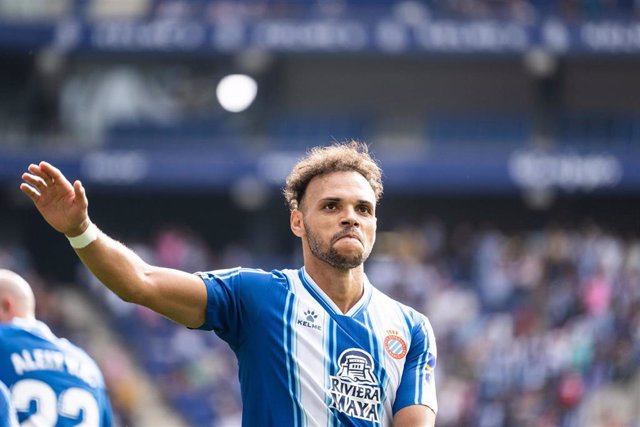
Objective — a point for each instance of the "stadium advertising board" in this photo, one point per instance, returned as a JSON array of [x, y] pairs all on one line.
[[383, 34]]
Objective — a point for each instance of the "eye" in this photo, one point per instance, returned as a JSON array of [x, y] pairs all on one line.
[[331, 206], [365, 209]]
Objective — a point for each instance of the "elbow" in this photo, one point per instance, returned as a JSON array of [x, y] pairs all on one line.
[[133, 296]]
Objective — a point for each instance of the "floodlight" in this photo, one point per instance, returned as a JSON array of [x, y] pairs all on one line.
[[236, 92]]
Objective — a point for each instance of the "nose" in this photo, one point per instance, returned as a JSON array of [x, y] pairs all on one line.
[[350, 219]]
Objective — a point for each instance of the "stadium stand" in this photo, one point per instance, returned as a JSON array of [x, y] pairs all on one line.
[[511, 189]]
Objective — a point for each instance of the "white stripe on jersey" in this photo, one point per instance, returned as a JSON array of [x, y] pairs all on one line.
[[311, 322]]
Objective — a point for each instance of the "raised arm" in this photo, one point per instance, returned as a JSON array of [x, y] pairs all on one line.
[[175, 294]]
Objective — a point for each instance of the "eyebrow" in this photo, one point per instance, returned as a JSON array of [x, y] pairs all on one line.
[[339, 199]]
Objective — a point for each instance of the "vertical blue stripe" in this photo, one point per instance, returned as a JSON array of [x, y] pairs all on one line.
[[294, 336], [326, 358], [334, 367], [418, 395], [407, 320], [285, 333], [423, 361], [379, 356]]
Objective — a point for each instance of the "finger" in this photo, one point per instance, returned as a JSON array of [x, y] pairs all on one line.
[[52, 172], [35, 181], [30, 191], [81, 195], [37, 171]]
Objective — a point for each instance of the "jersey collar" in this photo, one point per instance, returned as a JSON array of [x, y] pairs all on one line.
[[327, 302], [33, 325]]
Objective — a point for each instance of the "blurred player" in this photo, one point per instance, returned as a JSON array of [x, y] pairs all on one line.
[[52, 382], [7, 413], [317, 346]]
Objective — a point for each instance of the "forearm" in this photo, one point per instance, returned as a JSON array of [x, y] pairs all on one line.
[[117, 267]]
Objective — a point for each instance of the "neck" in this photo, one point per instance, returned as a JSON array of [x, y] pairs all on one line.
[[344, 287], [19, 318]]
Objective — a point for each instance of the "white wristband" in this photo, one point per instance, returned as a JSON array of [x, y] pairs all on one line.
[[83, 240]]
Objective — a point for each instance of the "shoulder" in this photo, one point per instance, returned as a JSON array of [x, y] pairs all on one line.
[[415, 321], [6, 329], [411, 314], [3, 331], [10, 334], [245, 276], [72, 349]]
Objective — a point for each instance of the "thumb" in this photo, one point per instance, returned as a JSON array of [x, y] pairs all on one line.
[[81, 195]]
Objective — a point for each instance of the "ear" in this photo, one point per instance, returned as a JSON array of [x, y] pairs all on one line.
[[296, 223], [6, 310]]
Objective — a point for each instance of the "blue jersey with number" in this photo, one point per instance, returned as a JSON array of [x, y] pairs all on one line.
[[7, 413], [52, 382], [305, 363]]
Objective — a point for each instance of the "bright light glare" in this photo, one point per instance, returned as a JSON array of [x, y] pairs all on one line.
[[236, 92]]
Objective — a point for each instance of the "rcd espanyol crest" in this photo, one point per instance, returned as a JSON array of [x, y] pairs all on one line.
[[354, 390]]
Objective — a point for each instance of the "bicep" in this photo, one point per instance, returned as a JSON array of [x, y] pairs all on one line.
[[177, 295], [414, 416]]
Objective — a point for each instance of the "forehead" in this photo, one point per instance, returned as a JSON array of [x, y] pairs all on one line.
[[341, 185]]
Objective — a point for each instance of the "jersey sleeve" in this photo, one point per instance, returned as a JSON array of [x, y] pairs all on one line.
[[104, 403], [107, 412], [417, 386], [235, 298], [8, 418]]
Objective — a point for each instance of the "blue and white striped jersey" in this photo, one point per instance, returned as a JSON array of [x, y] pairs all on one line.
[[305, 363], [52, 382]]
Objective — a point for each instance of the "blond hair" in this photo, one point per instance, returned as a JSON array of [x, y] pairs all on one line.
[[338, 157]]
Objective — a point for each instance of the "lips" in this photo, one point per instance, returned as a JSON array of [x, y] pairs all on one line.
[[347, 234]]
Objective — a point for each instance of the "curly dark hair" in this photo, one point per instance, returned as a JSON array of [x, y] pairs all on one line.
[[338, 157]]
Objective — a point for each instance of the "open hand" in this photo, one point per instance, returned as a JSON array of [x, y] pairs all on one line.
[[62, 205]]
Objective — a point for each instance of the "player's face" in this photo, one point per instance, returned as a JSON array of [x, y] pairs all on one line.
[[339, 219]]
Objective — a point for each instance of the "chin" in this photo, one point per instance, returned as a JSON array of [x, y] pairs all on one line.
[[351, 255]]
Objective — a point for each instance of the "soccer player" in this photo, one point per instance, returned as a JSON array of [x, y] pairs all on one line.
[[7, 413], [52, 382], [316, 346]]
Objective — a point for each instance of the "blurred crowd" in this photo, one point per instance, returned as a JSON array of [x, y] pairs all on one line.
[[535, 328]]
